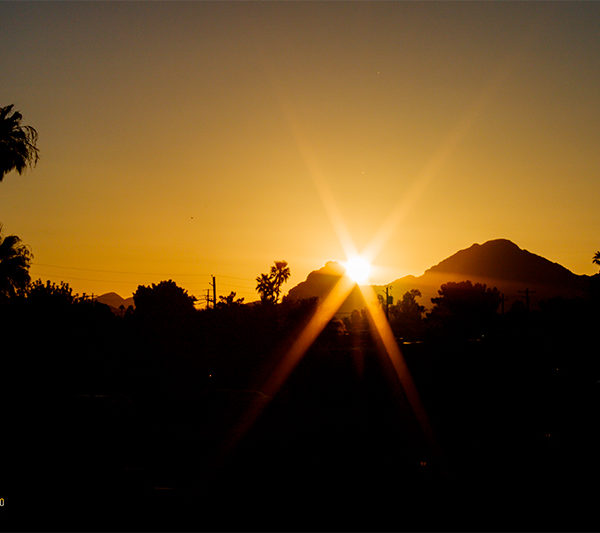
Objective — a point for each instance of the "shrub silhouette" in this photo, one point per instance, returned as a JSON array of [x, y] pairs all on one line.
[[230, 300]]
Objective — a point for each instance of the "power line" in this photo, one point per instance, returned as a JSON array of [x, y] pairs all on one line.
[[244, 286], [195, 274], [193, 286], [102, 270], [62, 276]]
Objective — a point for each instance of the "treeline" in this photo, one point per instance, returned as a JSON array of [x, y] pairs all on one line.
[[233, 341], [473, 311], [105, 402]]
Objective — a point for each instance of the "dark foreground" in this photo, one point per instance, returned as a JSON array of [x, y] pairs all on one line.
[[515, 418]]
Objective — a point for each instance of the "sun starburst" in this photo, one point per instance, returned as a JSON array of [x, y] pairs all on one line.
[[358, 269]]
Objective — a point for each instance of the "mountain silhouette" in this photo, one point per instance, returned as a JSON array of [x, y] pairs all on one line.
[[320, 282], [498, 263], [113, 300], [501, 259]]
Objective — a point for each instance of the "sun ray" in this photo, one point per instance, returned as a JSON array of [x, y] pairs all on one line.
[[437, 160], [306, 152], [304, 340], [380, 326], [323, 314]]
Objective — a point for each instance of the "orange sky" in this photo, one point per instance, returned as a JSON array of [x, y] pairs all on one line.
[[180, 140]]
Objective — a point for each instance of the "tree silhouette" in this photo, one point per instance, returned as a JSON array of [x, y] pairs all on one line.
[[464, 309], [406, 316], [230, 300], [409, 306], [17, 142], [269, 285], [15, 259], [163, 300], [280, 273], [51, 293], [596, 259], [265, 289]]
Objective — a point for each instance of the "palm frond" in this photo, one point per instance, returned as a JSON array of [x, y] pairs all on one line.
[[18, 143]]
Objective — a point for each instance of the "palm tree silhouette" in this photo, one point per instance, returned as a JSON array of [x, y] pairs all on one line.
[[269, 285], [596, 259], [280, 273], [15, 259], [17, 142], [264, 287]]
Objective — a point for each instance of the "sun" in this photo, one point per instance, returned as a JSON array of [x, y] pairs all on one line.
[[358, 269]]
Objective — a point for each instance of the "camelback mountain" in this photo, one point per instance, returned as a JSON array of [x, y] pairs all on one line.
[[498, 263]]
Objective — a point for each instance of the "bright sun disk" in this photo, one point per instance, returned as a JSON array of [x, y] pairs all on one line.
[[358, 269]]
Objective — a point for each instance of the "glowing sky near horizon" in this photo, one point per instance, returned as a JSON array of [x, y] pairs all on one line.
[[180, 140]]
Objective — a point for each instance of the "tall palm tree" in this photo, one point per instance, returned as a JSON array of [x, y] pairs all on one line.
[[15, 259], [596, 259], [269, 285], [17, 142], [280, 273]]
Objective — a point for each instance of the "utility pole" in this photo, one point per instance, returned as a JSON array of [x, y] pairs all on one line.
[[207, 298], [214, 288], [527, 292], [387, 301]]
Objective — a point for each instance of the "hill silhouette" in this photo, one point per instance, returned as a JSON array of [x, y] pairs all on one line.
[[497, 263], [113, 300], [320, 282]]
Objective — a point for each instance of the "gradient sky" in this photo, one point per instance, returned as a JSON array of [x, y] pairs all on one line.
[[180, 140]]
